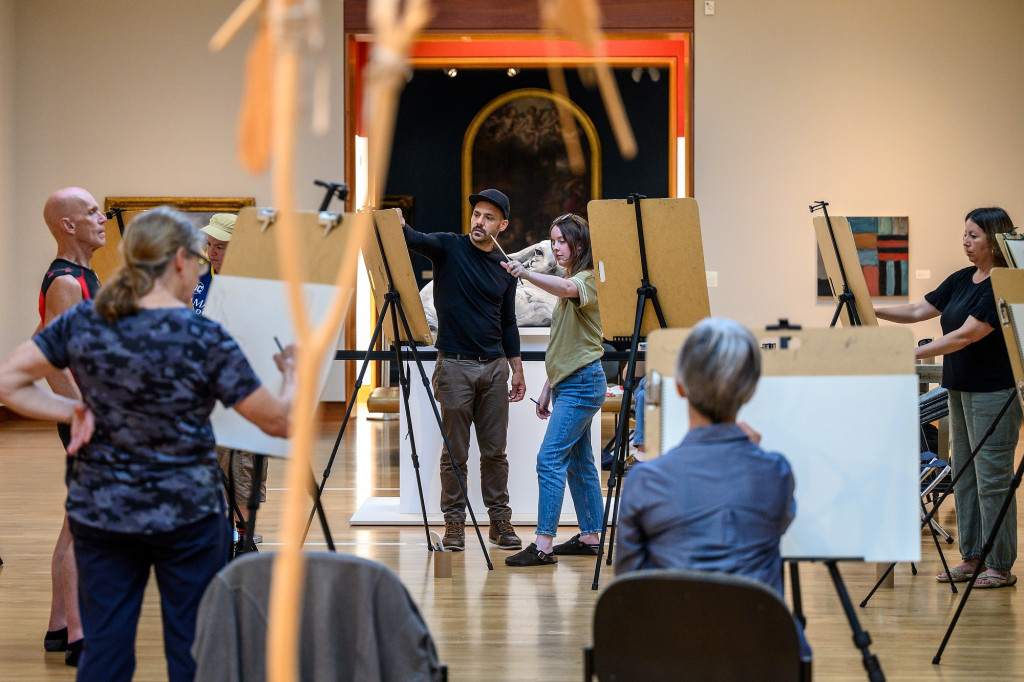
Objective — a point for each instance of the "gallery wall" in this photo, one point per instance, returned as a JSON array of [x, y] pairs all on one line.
[[880, 108], [124, 98], [7, 192]]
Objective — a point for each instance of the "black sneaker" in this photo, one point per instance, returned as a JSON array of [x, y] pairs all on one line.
[[531, 556], [574, 547]]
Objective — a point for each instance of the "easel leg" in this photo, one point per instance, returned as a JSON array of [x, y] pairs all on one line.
[[989, 542], [861, 638], [447, 444], [798, 602], [348, 414], [403, 383]]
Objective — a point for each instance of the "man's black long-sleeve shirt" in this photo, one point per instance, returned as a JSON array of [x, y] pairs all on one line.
[[474, 297]]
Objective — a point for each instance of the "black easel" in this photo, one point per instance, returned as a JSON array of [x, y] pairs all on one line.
[[1014, 484], [116, 213], [338, 190], [846, 298], [392, 301], [861, 638], [644, 293]]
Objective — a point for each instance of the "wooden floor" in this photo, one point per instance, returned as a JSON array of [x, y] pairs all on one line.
[[505, 624]]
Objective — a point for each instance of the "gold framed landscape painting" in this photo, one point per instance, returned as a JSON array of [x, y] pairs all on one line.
[[198, 209]]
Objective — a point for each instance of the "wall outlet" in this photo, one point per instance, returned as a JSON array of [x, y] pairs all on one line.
[[709, 7], [712, 277], [922, 274]]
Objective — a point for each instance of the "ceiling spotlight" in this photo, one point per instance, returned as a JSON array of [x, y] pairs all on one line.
[[451, 73], [512, 72]]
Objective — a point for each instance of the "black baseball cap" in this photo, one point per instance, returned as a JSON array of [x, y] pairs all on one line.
[[492, 196]]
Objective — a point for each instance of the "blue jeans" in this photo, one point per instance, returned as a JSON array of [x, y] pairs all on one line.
[[566, 452], [113, 569], [640, 401], [980, 492]]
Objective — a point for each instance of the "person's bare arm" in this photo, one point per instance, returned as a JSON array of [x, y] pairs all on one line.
[[64, 293], [518, 379], [970, 331], [18, 373], [269, 411], [908, 312], [553, 284]]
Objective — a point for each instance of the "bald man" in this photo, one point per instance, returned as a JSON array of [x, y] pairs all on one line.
[[76, 223]]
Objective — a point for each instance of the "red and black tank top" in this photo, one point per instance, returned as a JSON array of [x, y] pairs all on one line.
[[87, 279]]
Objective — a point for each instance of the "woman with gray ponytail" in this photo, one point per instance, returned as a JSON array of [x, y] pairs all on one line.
[[144, 489]]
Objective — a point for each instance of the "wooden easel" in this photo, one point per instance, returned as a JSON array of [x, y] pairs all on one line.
[[655, 246], [248, 299], [845, 277], [841, 405]]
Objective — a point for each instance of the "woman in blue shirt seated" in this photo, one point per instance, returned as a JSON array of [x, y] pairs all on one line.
[[144, 488], [717, 501]]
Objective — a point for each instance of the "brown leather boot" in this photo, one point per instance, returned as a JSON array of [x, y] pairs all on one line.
[[504, 535], [454, 536]]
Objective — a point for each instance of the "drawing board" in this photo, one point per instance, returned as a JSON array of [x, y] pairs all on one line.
[[1012, 246], [675, 263], [392, 246], [851, 265], [1008, 289], [250, 300], [842, 406]]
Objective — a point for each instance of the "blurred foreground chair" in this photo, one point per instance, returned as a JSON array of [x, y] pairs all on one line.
[[693, 625], [358, 623]]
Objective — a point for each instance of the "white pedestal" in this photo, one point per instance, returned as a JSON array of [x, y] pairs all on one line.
[[525, 433]]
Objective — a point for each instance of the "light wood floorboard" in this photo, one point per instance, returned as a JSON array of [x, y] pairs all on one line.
[[505, 624]]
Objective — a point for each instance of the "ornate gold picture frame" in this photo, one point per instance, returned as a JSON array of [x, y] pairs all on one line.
[[199, 209]]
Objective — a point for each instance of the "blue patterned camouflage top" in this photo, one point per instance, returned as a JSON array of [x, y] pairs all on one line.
[[151, 380]]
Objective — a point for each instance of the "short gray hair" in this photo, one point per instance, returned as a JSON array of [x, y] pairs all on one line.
[[718, 366]]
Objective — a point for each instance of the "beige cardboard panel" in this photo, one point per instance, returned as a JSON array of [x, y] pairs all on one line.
[[851, 263], [1008, 288], [1012, 246], [675, 260], [389, 227], [851, 351], [254, 252]]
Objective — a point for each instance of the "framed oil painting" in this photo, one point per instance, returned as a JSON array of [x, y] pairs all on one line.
[[198, 209], [515, 144]]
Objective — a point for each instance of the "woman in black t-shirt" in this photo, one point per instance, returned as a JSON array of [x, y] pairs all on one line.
[[976, 373]]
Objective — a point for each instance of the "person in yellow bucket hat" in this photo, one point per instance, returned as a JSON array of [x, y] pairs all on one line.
[[238, 465]]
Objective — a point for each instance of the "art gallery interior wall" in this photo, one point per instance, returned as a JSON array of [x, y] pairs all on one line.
[[880, 108]]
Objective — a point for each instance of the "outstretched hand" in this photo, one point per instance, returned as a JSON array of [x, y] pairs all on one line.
[[514, 268]]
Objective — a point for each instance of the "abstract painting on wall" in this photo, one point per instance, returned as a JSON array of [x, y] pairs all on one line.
[[883, 251]]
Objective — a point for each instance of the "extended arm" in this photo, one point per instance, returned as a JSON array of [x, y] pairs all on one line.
[[970, 331], [18, 373], [908, 312], [553, 284], [269, 411]]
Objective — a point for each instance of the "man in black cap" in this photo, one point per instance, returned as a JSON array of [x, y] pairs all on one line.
[[477, 346]]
